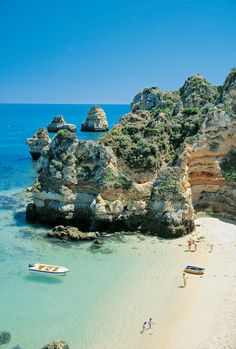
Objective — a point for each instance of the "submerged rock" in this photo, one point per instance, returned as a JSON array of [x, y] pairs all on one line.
[[96, 120], [58, 123], [5, 337], [57, 345], [71, 233], [97, 244], [37, 142]]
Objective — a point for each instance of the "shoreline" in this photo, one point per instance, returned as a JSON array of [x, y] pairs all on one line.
[[207, 304], [183, 318]]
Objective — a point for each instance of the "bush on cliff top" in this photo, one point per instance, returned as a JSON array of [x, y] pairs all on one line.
[[65, 135]]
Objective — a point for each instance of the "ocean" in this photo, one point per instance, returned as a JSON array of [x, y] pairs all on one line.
[[90, 306]]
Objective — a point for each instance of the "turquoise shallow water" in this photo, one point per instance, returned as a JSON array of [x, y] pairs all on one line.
[[90, 306], [36, 309]]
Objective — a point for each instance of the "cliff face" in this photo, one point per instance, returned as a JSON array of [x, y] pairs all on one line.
[[172, 153], [96, 120], [211, 161]]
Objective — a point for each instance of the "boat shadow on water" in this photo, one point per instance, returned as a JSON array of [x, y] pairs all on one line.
[[45, 279]]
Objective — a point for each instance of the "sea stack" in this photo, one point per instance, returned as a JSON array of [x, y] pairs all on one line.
[[58, 123], [96, 120], [37, 142]]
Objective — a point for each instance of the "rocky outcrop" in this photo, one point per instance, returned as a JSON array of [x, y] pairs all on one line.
[[96, 120], [71, 233], [37, 142], [56, 345], [170, 210], [58, 123], [172, 154]]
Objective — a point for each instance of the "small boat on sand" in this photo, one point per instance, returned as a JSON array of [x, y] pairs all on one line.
[[47, 269], [194, 270]]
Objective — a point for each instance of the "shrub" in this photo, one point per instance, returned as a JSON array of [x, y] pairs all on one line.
[[130, 129], [228, 166], [191, 111], [65, 135], [118, 180]]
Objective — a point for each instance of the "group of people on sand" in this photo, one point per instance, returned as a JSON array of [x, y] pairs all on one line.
[[147, 325], [191, 243]]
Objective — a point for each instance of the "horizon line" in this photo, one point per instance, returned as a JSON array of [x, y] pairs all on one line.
[[65, 103]]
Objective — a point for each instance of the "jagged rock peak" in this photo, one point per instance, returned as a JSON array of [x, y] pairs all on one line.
[[147, 99], [197, 91], [230, 79], [96, 120], [154, 98], [37, 142], [229, 90], [58, 123]]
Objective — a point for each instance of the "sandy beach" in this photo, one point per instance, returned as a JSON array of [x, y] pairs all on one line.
[[200, 316]]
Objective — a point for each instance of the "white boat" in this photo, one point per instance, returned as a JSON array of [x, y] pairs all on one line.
[[48, 269]]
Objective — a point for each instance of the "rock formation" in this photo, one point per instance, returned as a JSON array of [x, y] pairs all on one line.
[[37, 142], [173, 153], [58, 123], [96, 120], [71, 233], [56, 345]]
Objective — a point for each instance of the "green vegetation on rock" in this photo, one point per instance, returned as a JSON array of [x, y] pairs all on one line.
[[228, 166], [65, 135], [168, 186]]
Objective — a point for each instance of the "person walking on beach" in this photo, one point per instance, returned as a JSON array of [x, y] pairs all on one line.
[[149, 323], [144, 326], [195, 246], [184, 280], [211, 248], [189, 244]]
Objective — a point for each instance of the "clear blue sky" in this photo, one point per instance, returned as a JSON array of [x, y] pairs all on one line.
[[74, 51]]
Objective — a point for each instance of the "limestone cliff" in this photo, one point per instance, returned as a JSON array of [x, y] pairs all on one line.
[[96, 120], [37, 142], [175, 151]]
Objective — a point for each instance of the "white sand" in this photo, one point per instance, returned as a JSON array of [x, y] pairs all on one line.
[[200, 316]]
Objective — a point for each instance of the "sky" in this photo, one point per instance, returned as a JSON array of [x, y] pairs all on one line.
[[78, 51]]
